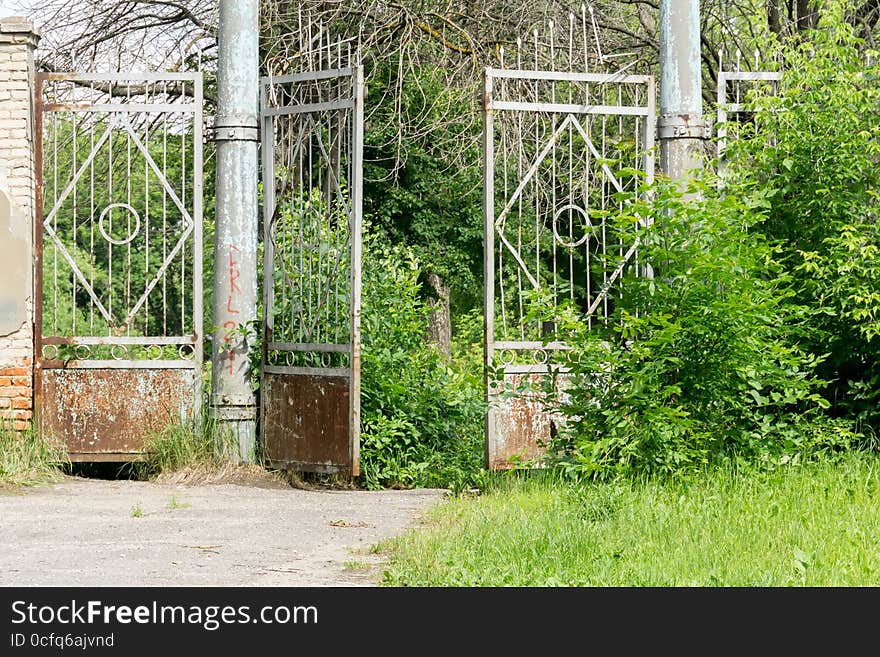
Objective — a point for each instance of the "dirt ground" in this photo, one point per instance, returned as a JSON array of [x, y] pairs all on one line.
[[94, 532]]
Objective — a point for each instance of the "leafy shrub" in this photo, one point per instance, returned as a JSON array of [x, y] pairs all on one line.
[[701, 361], [421, 412], [814, 148]]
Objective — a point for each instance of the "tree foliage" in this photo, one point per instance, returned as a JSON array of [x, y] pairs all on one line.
[[701, 361], [814, 149]]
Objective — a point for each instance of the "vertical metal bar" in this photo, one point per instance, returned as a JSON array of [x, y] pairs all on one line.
[[520, 157], [74, 167], [650, 130], [604, 202], [267, 146], [92, 225], [538, 118], [617, 151], [198, 247], [147, 220], [38, 249], [310, 230], [649, 157], [584, 37], [55, 222], [165, 214], [503, 125], [356, 208], [341, 124], [570, 166], [488, 255], [295, 331], [183, 176], [109, 228], [554, 281], [128, 216], [722, 112]]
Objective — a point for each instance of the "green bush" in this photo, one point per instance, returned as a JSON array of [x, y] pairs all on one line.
[[699, 362], [421, 411], [814, 147]]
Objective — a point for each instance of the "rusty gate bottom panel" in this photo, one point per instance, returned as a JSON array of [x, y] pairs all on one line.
[[306, 422], [520, 427], [108, 414]]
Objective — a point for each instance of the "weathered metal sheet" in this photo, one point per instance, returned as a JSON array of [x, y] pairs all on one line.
[[100, 414], [306, 423], [521, 424]]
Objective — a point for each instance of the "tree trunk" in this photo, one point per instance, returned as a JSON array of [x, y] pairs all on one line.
[[439, 321], [865, 19], [773, 21], [806, 16]]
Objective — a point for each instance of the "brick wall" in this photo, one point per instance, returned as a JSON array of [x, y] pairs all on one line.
[[17, 42]]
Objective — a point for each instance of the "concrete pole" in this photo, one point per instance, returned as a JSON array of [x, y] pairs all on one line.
[[233, 403], [681, 129]]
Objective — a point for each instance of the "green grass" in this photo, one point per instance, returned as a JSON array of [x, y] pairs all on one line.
[[136, 511], [180, 446], [26, 459], [809, 525]]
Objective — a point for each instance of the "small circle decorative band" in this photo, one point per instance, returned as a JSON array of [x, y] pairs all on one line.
[[587, 224], [130, 236]]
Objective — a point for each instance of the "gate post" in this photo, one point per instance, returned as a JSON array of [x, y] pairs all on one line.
[[18, 39], [681, 129], [233, 403]]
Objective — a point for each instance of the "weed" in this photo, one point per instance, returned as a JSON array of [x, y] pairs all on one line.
[[174, 504], [179, 446], [26, 458]]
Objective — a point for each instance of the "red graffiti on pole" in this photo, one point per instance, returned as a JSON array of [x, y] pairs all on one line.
[[231, 325]]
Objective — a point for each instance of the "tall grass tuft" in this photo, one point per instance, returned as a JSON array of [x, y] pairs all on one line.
[[27, 459], [179, 446], [196, 452]]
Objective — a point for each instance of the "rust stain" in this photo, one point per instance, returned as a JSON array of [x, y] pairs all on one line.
[[523, 426], [112, 411], [306, 422]]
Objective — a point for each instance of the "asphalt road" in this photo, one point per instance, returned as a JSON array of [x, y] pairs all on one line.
[[92, 532]]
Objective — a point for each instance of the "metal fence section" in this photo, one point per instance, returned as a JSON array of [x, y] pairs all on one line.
[[118, 335], [559, 148], [312, 151], [736, 88]]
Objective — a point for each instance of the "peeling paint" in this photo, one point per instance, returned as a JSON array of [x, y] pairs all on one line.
[[15, 254], [522, 426], [306, 422], [112, 411], [680, 79]]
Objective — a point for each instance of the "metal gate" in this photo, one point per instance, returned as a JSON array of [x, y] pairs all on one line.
[[118, 328], [312, 151], [554, 146]]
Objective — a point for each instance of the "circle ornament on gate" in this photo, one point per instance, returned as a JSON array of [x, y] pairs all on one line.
[[128, 238], [588, 226]]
